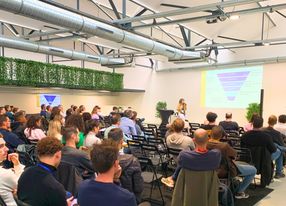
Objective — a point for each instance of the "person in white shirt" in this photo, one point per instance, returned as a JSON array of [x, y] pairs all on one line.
[[92, 129], [281, 125], [33, 131], [9, 177]]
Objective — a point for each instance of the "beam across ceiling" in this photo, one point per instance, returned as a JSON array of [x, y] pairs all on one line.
[[187, 10], [214, 16], [231, 45]]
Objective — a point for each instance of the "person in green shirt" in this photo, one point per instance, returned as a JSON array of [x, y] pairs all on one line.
[[75, 120]]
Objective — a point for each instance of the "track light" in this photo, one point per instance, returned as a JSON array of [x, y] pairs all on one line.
[[234, 17]]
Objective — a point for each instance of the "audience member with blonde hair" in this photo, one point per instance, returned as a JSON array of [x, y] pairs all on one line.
[[54, 130], [182, 108], [176, 138]]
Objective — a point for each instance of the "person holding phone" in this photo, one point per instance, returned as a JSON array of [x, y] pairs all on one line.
[[182, 108], [9, 177]]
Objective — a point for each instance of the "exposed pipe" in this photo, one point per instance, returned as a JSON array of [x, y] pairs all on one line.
[[17, 43], [51, 14], [240, 63]]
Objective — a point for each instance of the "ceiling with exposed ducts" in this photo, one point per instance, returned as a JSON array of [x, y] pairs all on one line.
[[167, 33]]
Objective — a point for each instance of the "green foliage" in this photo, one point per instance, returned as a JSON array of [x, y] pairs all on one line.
[[252, 108], [36, 74], [160, 105]]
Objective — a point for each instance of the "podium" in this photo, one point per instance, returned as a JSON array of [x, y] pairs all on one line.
[[165, 115]]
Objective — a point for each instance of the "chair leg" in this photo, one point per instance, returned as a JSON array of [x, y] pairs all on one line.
[[158, 184]]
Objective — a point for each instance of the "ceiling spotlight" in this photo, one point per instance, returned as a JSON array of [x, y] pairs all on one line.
[[234, 17], [266, 44]]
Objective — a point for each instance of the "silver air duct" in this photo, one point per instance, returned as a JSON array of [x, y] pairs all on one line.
[[17, 43], [54, 15]]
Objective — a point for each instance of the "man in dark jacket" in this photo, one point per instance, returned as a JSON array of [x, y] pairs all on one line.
[[18, 126], [130, 178], [259, 138], [37, 185], [10, 138], [75, 157]]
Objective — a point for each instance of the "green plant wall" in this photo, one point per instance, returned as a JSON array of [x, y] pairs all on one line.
[[36, 74]]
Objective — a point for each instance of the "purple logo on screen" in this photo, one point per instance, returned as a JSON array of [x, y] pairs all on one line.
[[232, 82], [50, 98]]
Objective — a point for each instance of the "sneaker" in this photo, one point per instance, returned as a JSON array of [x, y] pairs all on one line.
[[241, 195], [168, 181], [278, 176]]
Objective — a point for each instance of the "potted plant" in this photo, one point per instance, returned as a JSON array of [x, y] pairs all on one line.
[[252, 108], [160, 105]]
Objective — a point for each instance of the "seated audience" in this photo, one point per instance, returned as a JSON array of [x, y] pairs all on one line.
[[61, 108], [76, 121], [70, 154], [126, 124], [9, 113], [130, 178], [95, 114], [228, 124], [177, 139], [92, 129], [86, 116], [48, 112], [137, 127], [115, 110], [11, 139], [55, 111], [102, 190], [228, 165], [43, 112], [115, 122], [37, 185], [55, 127], [2, 110], [69, 112], [277, 137], [81, 109], [281, 125], [19, 125], [200, 159], [34, 131], [249, 125], [211, 118], [9, 177], [259, 138]]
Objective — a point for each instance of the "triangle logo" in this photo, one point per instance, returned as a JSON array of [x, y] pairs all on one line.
[[232, 83], [50, 98]]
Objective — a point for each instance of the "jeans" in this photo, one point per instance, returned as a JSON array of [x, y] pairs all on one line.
[[278, 157], [247, 172]]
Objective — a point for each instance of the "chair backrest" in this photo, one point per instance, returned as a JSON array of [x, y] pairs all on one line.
[[149, 132], [142, 139], [69, 177], [244, 155], [196, 188], [135, 147], [173, 151], [194, 126], [27, 154]]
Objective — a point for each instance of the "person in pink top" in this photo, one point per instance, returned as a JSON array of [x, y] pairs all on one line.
[[33, 131], [95, 114], [249, 126]]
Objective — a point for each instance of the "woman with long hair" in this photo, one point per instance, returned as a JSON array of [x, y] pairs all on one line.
[[34, 130], [54, 130]]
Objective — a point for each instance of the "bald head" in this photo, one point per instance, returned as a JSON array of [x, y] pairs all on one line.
[[201, 137]]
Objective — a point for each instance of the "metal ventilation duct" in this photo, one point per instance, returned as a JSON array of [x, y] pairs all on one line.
[[17, 43], [54, 15]]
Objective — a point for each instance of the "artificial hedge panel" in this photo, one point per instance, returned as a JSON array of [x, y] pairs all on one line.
[[36, 74]]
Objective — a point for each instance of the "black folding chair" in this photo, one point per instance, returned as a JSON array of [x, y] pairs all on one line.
[[149, 133], [173, 153], [135, 148], [154, 127], [142, 139], [158, 158], [150, 176], [159, 143]]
